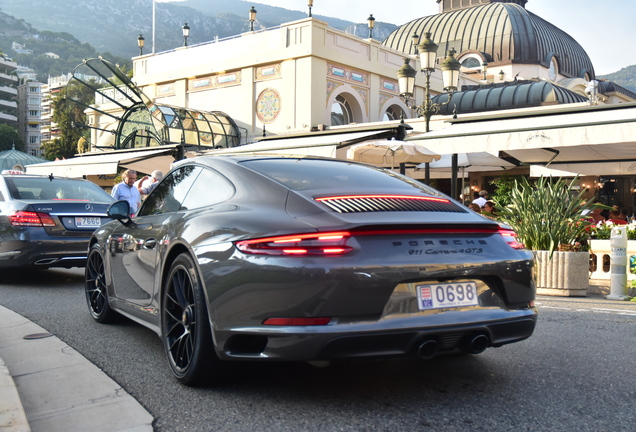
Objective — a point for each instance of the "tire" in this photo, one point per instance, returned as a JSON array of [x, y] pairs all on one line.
[[185, 327], [95, 287]]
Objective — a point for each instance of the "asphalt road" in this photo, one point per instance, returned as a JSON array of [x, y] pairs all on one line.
[[576, 373]]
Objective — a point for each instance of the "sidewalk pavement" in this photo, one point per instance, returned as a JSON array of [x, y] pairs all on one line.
[[45, 385]]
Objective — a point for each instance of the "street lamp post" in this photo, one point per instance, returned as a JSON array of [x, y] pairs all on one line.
[[371, 24], [252, 17], [186, 33], [427, 51], [415, 39], [140, 44], [310, 4]]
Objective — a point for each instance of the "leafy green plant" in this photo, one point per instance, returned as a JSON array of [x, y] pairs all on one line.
[[546, 213], [504, 186]]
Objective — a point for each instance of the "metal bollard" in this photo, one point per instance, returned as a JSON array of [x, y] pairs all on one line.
[[618, 264]]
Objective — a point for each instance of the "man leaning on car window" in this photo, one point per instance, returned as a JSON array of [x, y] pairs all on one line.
[[127, 191]]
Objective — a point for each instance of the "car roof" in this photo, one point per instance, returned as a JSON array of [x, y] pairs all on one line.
[[236, 158]]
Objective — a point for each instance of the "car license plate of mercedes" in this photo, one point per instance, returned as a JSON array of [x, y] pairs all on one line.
[[447, 295], [88, 222]]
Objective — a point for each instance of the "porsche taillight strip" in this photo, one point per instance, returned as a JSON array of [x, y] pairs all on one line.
[[329, 243], [375, 203], [335, 243], [511, 238]]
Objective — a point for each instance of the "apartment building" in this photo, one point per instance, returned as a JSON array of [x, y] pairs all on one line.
[[30, 116], [8, 92]]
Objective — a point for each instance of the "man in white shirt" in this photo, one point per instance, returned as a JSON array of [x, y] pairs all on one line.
[[127, 191], [148, 184], [482, 200]]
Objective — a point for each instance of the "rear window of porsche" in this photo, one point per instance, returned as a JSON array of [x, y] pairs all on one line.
[[314, 174]]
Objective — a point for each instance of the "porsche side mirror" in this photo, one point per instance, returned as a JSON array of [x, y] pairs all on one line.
[[119, 210]]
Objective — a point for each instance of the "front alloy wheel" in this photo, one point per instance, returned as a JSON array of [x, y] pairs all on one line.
[[185, 327], [95, 287]]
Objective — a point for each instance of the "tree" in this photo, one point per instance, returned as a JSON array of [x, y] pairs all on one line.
[[9, 137], [58, 149], [71, 120]]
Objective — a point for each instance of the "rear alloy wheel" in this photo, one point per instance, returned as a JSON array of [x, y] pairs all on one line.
[[95, 286], [185, 327]]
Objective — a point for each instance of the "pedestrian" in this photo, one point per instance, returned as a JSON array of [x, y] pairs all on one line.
[[148, 183], [474, 207], [483, 198], [489, 210], [127, 191], [596, 215], [615, 217]]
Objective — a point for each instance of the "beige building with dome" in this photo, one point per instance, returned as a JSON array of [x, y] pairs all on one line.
[[306, 79]]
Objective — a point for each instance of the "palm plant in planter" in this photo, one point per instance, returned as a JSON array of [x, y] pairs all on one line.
[[546, 214]]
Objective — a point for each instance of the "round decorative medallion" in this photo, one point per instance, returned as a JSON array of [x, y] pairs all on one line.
[[268, 106]]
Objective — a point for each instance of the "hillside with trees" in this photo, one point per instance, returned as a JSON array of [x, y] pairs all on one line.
[[113, 26], [625, 77], [48, 53]]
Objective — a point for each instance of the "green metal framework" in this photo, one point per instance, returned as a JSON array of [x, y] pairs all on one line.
[[146, 124]]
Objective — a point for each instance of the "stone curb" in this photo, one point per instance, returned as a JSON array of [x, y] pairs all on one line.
[[12, 416], [59, 389]]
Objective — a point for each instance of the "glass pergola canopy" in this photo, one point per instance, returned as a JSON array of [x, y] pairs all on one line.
[[157, 125]]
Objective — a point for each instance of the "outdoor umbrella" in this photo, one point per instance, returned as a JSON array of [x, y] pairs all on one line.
[[390, 152], [469, 162]]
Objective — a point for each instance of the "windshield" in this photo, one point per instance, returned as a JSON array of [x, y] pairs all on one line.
[[43, 188]]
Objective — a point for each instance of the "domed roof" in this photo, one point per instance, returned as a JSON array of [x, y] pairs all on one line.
[[507, 95], [502, 32]]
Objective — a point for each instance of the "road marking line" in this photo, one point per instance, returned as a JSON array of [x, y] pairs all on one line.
[[593, 310]]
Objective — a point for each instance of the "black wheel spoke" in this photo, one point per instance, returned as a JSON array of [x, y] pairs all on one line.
[[178, 283]]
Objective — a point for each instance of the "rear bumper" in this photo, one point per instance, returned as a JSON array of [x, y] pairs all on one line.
[[43, 253], [373, 340]]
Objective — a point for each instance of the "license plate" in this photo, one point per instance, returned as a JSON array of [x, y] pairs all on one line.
[[88, 222], [447, 295]]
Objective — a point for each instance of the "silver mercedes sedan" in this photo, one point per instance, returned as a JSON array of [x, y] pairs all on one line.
[[277, 258]]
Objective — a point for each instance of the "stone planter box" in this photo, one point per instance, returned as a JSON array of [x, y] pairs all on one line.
[[566, 274], [600, 259]]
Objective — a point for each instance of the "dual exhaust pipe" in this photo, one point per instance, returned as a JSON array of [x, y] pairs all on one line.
[[473, 344]]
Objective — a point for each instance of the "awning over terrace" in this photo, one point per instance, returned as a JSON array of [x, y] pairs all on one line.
[[586, 139], [144, 161], [325, 145]]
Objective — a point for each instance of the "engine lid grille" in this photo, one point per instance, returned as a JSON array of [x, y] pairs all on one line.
[[387, 203]]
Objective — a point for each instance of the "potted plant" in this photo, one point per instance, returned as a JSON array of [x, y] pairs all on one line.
[[546, 214]]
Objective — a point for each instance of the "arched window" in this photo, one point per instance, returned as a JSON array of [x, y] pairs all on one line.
[[394, 112], [341, 113], [471, 63]]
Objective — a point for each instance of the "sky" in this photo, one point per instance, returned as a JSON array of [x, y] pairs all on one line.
[[607, 33]]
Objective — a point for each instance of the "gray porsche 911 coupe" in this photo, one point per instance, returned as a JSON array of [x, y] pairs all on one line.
[[264, 257]]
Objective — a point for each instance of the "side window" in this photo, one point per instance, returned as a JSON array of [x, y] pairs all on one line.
[[168, 197], [209, 189]]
